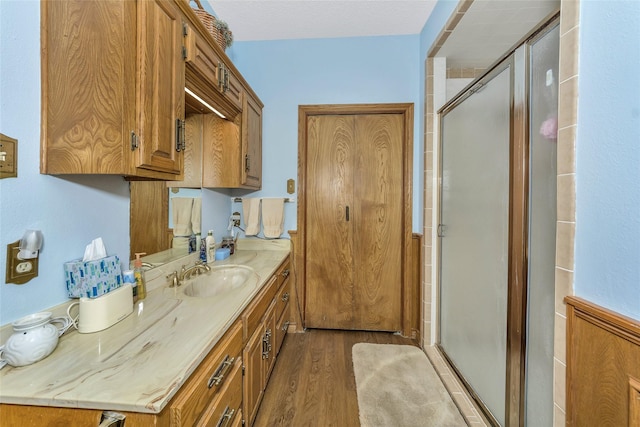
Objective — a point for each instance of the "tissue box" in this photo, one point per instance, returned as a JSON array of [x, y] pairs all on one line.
[[92, 278]]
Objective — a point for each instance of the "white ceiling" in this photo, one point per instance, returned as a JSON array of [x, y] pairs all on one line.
[[304, 19], [487, 30]]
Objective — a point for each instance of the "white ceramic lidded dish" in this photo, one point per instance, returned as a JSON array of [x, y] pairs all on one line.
[[34, 337]]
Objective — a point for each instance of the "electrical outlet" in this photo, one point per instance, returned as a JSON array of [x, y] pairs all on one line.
[[235, 217], [19, 271]]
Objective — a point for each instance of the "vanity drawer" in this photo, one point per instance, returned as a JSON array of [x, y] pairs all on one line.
[[212, 375], [226, 409], [281, 331], [283, 297], [283, 272], [254, 313]]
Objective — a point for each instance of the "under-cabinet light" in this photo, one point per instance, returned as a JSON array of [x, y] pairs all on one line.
[[203, 102]]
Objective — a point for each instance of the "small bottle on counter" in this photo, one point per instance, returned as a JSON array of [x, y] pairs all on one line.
[[203, 250], [138, 274], [210, 241]]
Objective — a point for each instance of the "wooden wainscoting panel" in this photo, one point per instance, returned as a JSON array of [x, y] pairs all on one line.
[[416, 287], [603, 364], [634, 402]]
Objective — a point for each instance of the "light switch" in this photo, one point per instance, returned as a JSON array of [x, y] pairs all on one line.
[[8, 157], [291, 186]]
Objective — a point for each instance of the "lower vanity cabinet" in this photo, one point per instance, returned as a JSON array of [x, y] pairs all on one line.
[[217, 380], [263, 321], [258, 351], [226, 409]]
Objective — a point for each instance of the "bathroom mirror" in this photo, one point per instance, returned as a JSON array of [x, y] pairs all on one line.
[[150, 229]]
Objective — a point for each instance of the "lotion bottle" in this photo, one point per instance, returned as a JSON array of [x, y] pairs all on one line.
[[138, 274], [211, 247]]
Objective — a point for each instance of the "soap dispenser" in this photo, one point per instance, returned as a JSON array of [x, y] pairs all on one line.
[[138, 273]]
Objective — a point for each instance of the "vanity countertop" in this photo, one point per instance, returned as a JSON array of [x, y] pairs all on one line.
[[139, 364]]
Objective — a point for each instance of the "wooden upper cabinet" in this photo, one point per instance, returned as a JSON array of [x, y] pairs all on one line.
[[160, 77], [232, 151], [209, 77], [112, 88], [251, 170]]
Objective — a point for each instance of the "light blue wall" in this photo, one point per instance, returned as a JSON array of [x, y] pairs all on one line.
[[71, 210], [288, 73], [607, 243]]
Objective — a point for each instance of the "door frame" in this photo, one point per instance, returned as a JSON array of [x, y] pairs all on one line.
[[408, 291]]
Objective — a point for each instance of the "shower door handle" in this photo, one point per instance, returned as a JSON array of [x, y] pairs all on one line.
[[441, 230]]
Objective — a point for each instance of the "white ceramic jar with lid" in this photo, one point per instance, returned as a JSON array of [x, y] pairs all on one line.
[[34, 337]]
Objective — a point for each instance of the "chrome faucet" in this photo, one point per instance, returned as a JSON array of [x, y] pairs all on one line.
[[196, 269], [173, 277]]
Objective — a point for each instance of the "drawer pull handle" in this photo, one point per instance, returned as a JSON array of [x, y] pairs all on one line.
[[285, 297], [218, 376], [286, 273], [226, 417], [285, 327]]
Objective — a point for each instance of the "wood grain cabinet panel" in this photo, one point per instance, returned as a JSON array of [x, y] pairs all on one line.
[[232, 150], [112, 88], [209, 379]]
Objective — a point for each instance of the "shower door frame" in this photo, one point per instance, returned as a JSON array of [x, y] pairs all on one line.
[[518, 60]]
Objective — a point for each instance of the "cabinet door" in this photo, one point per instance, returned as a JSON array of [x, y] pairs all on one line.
[[88, 99], [251, 143], [160, 84], [270, 337], [252, 357]]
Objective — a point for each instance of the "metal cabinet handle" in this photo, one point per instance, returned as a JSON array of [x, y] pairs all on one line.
[[247, 163], [220, 75], [265, 346], [285, 327], [226, 417], [285, 297], [347, 213], [286, 273], [218, 376], [181, 144]]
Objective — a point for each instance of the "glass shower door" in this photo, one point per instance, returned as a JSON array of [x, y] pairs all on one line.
[[544, 56], [475, 237]]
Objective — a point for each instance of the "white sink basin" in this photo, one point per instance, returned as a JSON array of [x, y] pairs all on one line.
[[220, 280]]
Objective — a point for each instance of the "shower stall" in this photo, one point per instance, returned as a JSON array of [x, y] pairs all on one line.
[[497, 232]]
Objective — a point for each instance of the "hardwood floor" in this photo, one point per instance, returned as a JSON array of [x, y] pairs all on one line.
[[312, 383]]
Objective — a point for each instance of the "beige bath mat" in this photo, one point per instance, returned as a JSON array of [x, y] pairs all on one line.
[[398, 387]]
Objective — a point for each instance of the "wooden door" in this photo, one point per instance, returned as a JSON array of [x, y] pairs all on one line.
[[161, 85], [377, 221], [355, 221]]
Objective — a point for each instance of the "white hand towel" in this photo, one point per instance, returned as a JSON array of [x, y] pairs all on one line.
[[273, 217], [251, 211], [182, 207], [196, 216]]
